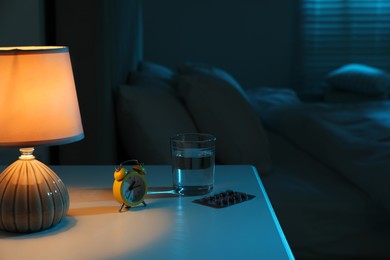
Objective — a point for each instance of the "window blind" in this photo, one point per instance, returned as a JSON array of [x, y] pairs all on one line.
[[337, 32]]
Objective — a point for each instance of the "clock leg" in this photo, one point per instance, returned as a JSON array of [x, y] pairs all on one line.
[[123, 205], [128, 207]]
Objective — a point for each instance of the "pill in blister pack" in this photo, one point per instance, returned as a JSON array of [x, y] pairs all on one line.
[[224, 199]]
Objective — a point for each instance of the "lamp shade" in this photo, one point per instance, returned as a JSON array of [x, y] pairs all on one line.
[[38, 100]]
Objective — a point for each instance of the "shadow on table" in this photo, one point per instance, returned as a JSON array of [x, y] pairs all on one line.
[[66, 223]]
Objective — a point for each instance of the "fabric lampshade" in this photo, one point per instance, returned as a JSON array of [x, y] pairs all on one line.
[[38, 101]]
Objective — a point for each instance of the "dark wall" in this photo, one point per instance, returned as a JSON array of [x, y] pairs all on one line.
[[253, 40], [101, 39], [22, 22]]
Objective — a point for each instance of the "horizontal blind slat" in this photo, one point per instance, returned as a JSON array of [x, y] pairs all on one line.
[[336, 32]]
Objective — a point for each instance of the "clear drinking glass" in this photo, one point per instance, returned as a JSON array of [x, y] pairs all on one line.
[[193, 163]]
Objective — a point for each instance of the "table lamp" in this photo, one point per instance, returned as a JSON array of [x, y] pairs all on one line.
[[38, 106]]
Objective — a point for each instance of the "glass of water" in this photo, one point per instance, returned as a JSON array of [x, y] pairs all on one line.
[[193, 163]]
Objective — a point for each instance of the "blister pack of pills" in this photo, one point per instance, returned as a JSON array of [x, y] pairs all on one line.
[[224, 199]]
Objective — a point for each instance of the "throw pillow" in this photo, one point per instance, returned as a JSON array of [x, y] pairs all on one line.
[[150, 71], [359, 78], [219, 106], [148, 115], [191, 68]]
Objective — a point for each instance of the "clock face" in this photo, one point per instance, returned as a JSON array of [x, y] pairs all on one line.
[[133, 189]]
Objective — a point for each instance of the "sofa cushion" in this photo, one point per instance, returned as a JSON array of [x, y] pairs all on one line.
[[219, 106]]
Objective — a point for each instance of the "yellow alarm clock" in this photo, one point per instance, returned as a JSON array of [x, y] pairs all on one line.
[[130, 187]]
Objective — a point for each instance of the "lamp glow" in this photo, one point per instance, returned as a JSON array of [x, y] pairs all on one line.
[[38, 106]]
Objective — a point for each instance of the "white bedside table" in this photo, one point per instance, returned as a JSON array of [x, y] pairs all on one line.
[[169, 227]]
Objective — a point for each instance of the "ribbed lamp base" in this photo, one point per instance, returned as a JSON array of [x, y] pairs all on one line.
[[32, 197]]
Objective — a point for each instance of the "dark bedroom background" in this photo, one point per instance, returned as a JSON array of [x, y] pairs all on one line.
[[274, 43]]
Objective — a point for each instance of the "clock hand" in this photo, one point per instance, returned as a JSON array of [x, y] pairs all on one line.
[[128, 192], [131, 186]]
